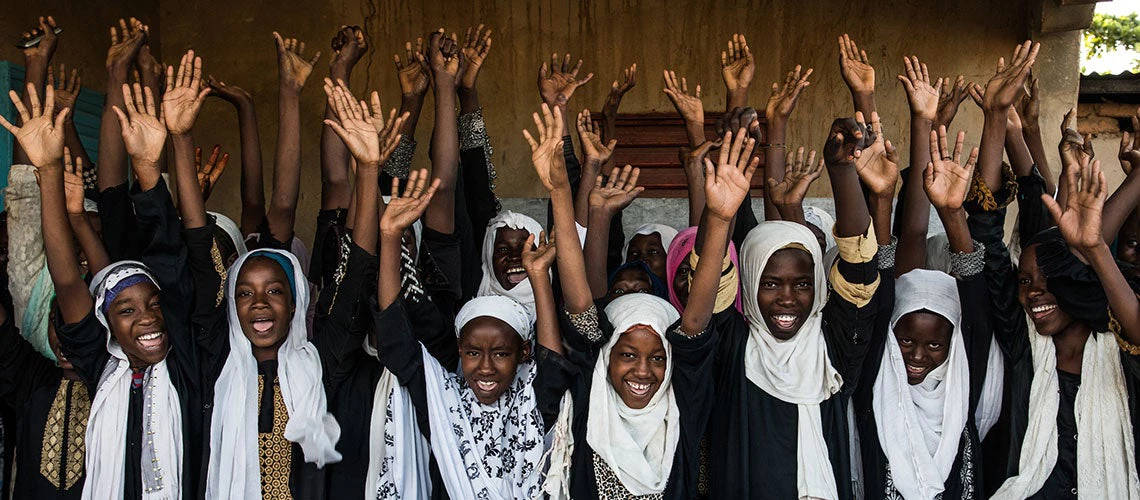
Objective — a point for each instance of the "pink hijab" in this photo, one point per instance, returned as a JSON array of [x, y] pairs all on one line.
[[678, 251]]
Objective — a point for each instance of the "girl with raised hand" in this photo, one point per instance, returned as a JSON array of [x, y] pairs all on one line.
[[788, 364], [503, 246], [485, 421], [628, 426], [127, 337], [925, 369]]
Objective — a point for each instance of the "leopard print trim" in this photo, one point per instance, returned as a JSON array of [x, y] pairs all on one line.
[[609, 486], [980, 196], [1114, 327], [220, 268], [586, 322]]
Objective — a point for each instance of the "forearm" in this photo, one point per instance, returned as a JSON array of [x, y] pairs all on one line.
[[990, 149], [571, 261], [1122, 301], [597, 243], [366, 220], [547, 316], [412, 104], [706, 277], [440, 214], [590, 171], [1020, 157], [59, 246], [252, 186], [190, 203], [1032, 134], [286, 166], [468, 99], [73, 142], [695, 180], [957, 231], [736, 98], [864, 102], [335, 188], [89, 243], [774, 164], [850, 207], [880, 210], [695, 131], [915, 211], [112, 165], [388, 286], [1120, 205]]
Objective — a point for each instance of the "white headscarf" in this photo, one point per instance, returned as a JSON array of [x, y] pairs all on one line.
[[796, 370], [107, 427], [235, 470], [665, 232], [486, 451], [522, 292], [638, 445], [231, 229], [819, 218], [399, 470], [920, 426], [1106, 460]]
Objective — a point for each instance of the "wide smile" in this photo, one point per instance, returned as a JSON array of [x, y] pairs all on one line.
[[785, 321], [915, 371], [638, 389], [486, 386], [515, 275], [262, 326], [1041, 311], [151, 341]]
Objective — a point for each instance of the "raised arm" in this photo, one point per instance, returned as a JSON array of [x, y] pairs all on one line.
[[181, 104], [67, 90], [1079, 222], [927, 106], [37, 66], [444, 57], [537, 257], [858, 74], [778, 112], [1028, 108], [89, 243], [945, 183], [415, 79], [606, 200], [693, 163], [41, 138], [726, 186], [126, 40], [402, 211], [950, 97], [476, 47], [597, 154], [878, 169], [688, 105], [737, 67], [613, 101], [999, 94], [788, 194], [557, 84], [1123, 200], [252, 186], [847, 135], [348, 45], [293, 71]]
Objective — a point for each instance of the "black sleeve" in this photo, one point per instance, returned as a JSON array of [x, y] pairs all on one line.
[[85, 345], [478, 197], [693, 375], [441, 266], [435, 330], [1032, 216], [399, 352], [342, 314], [1010, 330], [22, 368], [207, 275], [553, 376], [977, 330], [117, 217], [745, 221], [331, 227], [265, 239], [848, 328]]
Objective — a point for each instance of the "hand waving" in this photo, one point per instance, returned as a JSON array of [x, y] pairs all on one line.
[[613, 195], [592, 146], [72, 183], [878, 163], [211, 171], [1130, 146], [783, 99], [538, 255], [46, 48], [689, 106], [728, 182], [558, 83], [1002, 89], [949, 99], [67, 90], [945, 179], [798, 178], [921, 94], [144, 133], [1074, 147], [353, 124], [475, 49], [1079, 219], [737, 65], [184, 94], [443, 56], [546, 152], [404, 210], [415, 78], [619, 89], [855, 67], [230, 93], [41, 132], [125, 44], [292, 68]]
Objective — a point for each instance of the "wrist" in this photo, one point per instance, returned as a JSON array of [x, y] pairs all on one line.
[[367, 165], [922, 120], [946, 213], [288, 89]]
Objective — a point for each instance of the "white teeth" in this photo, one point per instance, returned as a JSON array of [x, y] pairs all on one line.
[[516, 270], [151, 336], [914, 369], [1047, 307], [638, 388], [486, 385]]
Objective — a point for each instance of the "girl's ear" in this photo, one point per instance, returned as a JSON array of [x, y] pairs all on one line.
[[527, 351]]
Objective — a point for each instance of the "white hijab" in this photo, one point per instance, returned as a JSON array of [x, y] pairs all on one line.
[[522, 292], [397, 451], [638, 445], [796, 370], [235, 470], [1106, 463], [486, 451], [665, 232], [819, 218], [920, 426], [107, 427]]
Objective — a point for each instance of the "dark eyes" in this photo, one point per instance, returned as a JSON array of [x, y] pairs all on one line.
[[1023, 281], [905, 342]]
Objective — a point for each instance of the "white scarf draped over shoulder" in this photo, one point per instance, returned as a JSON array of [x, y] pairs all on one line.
[[486, 451], [522, 292], [234, 458], [1106, 463], [638, 445], [920, 426], [397, 451], [665, 232], [161, 460], [797, 370]]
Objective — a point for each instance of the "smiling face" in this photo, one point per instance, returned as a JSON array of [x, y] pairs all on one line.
[[637, 366], [136, 321], [264, 305], [786, 292], [924, 339], [1035, 299], [506, 257], [490, 352], [630, 280], [648, 247]]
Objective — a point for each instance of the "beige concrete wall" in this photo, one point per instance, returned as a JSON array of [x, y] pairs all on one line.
[[233, 37]]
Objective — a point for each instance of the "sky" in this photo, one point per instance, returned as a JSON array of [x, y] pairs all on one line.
[[1118, 60]]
